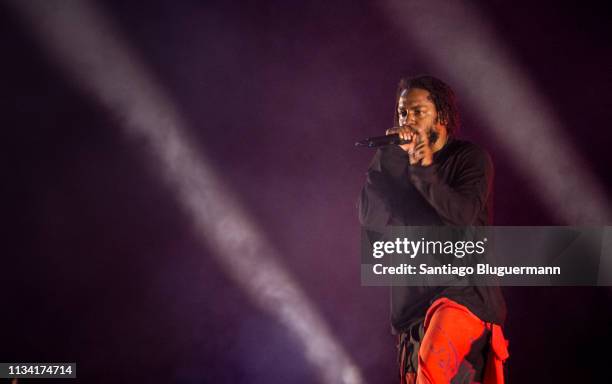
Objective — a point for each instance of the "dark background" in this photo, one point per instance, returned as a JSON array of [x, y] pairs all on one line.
[[101, 266]]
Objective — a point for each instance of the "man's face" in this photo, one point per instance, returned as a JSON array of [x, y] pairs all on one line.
[[417, 112]]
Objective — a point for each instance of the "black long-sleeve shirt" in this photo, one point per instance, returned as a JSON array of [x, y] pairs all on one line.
[[455, 190]]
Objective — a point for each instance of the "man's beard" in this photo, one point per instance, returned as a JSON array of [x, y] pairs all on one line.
[[432, 135]]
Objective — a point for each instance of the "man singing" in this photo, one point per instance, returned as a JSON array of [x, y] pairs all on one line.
[[446, 334]]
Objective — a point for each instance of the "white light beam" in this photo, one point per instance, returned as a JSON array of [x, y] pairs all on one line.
[[463, 48], [90, 50]]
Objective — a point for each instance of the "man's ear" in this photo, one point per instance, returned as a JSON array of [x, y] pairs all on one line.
[[442, 121]]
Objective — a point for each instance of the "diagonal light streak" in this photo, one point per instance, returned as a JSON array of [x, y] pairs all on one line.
[[90, 50], [463, 48]]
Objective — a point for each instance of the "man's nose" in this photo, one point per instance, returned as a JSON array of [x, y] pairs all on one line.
[[409, 119]]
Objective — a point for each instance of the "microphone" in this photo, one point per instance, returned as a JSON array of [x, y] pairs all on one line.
[[379, 141]]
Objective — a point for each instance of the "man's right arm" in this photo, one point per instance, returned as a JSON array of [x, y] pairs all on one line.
[[385, 177], [374, 209]]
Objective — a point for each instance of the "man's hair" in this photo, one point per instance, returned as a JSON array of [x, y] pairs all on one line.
[[440, 94]]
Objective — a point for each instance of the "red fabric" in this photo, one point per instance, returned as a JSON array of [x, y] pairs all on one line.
[[494, 372], [450, 330]]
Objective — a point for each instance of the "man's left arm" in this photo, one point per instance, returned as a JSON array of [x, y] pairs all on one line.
[[462, 202]]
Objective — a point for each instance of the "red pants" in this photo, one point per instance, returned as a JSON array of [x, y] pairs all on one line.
[[450, 330]]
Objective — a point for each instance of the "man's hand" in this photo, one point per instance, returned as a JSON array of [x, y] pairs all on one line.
[[419, 149], [422, 152]]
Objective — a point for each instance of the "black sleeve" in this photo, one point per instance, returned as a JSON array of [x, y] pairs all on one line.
[[458, 201], [386, 179]]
